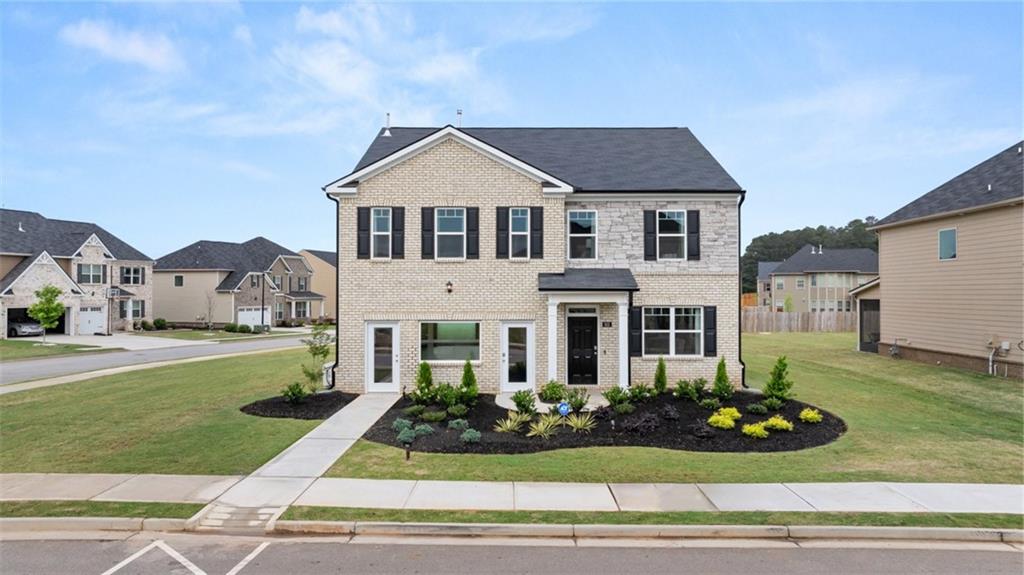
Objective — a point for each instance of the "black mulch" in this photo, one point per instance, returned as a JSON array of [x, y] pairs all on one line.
[[317, 406], [689, 432]]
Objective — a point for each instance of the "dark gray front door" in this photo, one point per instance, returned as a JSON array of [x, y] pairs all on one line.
[[582, 350]]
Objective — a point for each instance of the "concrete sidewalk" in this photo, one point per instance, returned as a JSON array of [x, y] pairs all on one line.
[[114, 487]]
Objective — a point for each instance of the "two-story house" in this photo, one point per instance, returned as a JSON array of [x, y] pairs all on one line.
[[816, 278], [105, 283], [573, 254], [764, 283], [325, 278], [256, 282]]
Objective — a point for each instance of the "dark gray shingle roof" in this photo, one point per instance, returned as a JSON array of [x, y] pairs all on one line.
[[765, 269], [587, 279], [255, 255], [304, 295], [593, 159], [1003, 171], [861, 260], [329, 257], [24, 232]]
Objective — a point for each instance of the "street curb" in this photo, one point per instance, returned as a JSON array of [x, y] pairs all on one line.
[[464, 529], [683, 531], [71, 524]]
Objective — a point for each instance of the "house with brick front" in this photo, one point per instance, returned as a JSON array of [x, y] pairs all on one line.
[[581, 255], [105, 283], [254, 283]]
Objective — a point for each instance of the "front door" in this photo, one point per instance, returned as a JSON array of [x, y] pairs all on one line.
[[382, 345], [516, 356], [870, 325], [582, 348]]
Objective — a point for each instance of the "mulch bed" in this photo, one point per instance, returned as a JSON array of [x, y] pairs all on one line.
[[688, 432], [317, 406]]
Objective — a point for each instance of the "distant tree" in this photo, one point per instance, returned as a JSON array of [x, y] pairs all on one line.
[[788, 304], [47, 310]]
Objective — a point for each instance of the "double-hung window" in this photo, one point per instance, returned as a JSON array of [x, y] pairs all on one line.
[[90, 273], [138, 309], [179, 281], [277, 282], [449, 341], [381, 219], [800, 283], [279, 310], [780, 284], [301, 309], [947, 244], [519, 233], [582, 235], [302, 284], [450, 238], [131, 275], [254, 281], [673, 331], [671, 235]]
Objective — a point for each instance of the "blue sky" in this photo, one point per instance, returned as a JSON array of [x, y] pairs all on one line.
[[170, 123]]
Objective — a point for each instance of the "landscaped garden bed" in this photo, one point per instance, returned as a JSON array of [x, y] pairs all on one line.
[[314, 406]]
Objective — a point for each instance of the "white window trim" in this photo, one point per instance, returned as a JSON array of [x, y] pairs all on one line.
[[374, 233], [800, 283], [672, 331], [438, 233], [569, 235], [98, 274], [956, 244], [419, 343], [137, 303], [132, 276], [303, 283], [279, 311], [658, 234], [305, 313], [512, 234]]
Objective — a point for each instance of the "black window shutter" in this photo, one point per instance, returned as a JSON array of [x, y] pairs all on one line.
[[104, 280], [650, 235], [710, 331], [693, 234], [143, 276], [398, 233], [79, 278], [636, 331], [143, 308], [537, 233], [363, 233], [473, 233], [501, 243], [427, 236], [121, 309]]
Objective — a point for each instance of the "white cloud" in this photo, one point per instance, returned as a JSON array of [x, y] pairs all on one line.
[[554, 23], [445, 67], [331, 65], [243, 34], [153, 51]]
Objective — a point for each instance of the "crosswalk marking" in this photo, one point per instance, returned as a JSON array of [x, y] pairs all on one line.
[[174, 554]]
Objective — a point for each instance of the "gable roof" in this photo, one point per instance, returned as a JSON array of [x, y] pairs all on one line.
[[25, 264], [253, 256], [861, 260], [329, 257], [1004, 172], [765, 269], [590, 159], [24, 232]]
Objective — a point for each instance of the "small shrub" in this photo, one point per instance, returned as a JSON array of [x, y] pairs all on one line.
[[778, 423], [458, 410], [577, 399], [433, 416], [644, 423], [468, 389], [146, 326], [160, 323], [231, 327], [446, 394], [808, 415], [772, 403], [686, 390], [470, 436], [244, 328], [522, 418], [525, 402], [616, 395], [414, 410], [294, 393], [699, 385], [553, 392], [779, 385], [423, 429], [459, 424], [722, 388], [755, 430], [730, 412], [258, 329], [624, 408], [721, 421], [407, 436], [543, 428], [511, 424], [660, 377], [711, 403], [581, 422], [424, 394], [399, 424], [670, 413], [640, 392], [757, 409]]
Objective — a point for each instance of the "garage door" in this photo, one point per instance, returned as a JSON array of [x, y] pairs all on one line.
[[250, 316], [92, 320]]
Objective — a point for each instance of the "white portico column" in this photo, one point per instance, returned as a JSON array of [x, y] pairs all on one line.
[[130, 315], [623, 344], [552, 340]]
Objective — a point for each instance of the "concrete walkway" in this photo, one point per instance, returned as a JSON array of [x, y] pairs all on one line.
[[113, 487]]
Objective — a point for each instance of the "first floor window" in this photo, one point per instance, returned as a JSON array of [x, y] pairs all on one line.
[[519, 233], [449, 341], [138, 309], [301, 309], [451, 233], [582, 234], [780, 305], [279, 310], [91, 273], [131, 275], [673, 330], [847, 305], [671, 235], [947, 244], [179, 281], [381, 233]]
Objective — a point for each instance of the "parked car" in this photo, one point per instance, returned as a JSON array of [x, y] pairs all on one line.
[[23, 328]]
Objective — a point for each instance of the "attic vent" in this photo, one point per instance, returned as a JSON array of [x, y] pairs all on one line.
[[20, 229], [990, 187], [387, 126]]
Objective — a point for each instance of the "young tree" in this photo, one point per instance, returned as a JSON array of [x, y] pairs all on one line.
[[788, 304], [779, 385], [660, 377], [47, 310], [469, 389], [211, 305], [318, 346], [722, 388]]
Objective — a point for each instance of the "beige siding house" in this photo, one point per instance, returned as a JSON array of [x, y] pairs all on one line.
[[538, 254], [325, 281], [951, 288], [816, 279]]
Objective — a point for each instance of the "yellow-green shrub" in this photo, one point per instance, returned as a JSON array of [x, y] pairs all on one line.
[[755, 430], [809, 415], [778, 423], [730, 412], [721, 421]]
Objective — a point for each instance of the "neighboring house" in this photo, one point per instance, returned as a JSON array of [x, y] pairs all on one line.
[[951, 288], [254, 283], [325, 278], [106, 283], [818, 279], [571, 254], [764, 283]]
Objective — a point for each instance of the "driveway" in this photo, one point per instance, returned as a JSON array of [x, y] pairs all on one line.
[[131, 342], [27, 370]]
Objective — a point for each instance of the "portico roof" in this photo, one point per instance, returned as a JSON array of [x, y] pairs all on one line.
[[588, 279]]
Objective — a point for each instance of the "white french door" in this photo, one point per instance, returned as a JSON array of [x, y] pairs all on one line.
[[517, 353], [382, 364]]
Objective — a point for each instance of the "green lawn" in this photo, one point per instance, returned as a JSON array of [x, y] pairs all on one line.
[[97, 509], [975, 520], [176, 419], [907, 422], [196, 334], [12, 349]]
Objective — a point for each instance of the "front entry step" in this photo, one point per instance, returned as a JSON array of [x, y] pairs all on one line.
[[227, 519]]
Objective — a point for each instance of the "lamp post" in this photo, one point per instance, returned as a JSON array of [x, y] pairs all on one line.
[[263, 301]]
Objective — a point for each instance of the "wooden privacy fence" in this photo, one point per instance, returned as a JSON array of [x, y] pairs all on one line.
[[764, 320]]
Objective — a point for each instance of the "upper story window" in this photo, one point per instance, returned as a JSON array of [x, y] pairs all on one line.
[[519, 233], [800, 283], [947, 244], [582, 235], [814, 280], [302, 283], [450, 238], [671, 235], [277, 282], [381, 221], [780, 284], [179, 281], [254, 281], [673, 330], [91, 273], [132, 275]]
